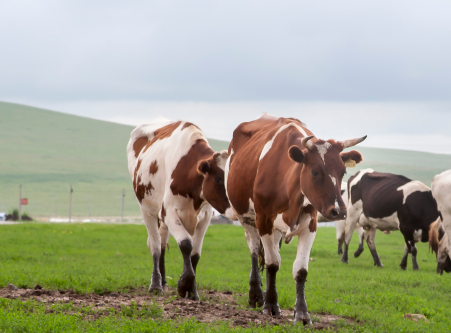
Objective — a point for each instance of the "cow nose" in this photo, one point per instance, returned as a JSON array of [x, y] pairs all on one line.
[[338, 213], [335, 212]]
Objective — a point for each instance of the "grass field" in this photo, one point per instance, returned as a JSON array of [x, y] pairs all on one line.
[[47, 151], [99, 258]]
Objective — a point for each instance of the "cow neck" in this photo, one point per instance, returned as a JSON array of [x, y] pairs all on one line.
[[295, 197], [186, 180]]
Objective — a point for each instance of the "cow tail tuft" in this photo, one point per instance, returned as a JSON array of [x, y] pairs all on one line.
[[435, 229]]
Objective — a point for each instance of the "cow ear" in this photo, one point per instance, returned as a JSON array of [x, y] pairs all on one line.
[[352, 155], [203, 167], [296, 154]]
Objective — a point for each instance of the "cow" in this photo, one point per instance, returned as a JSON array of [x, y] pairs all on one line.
[[439, 240], [340, 226], [177, 178], [278, 175], [389, 202]]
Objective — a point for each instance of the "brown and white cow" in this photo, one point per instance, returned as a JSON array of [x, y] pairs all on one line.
[[177, 177], [277, 176], [440, 231]]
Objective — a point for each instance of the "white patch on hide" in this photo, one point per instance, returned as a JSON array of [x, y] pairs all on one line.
[[322, 149], [411, 187], [269, 144]]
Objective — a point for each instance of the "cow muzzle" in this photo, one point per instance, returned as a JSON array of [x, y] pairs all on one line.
[[335, 214]]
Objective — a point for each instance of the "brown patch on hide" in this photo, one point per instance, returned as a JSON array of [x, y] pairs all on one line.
[[186, 181], [139, 144], [161, 133], [140, 189], [188, 124], [313, 225], [153, 168]]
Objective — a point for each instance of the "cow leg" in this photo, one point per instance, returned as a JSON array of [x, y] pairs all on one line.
[[198, 239], [413, 253], [370, 236], [351, 222], [340, 231], [255, 283], [187, 282], [272, 261], [164, 234], [359, 251], [153, 242], [403, 264], [300, 271]]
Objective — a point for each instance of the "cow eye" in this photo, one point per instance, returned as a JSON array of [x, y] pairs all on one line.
[[218, 180], [315, 173]]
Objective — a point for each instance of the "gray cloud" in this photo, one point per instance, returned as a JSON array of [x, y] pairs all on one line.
[[61, 51]]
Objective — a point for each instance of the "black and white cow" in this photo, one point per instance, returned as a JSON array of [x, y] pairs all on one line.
[[389, 202]]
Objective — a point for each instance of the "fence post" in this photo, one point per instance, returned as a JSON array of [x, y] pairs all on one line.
[[70, 203], [122, 205], [20, 202]]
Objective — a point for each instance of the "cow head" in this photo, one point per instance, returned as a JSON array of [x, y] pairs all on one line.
[[322, 172], [213, 187]]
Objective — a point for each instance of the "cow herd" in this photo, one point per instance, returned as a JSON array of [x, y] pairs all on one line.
[[275, 178]]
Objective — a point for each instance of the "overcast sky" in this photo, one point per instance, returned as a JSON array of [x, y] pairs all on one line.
[[346, 68]]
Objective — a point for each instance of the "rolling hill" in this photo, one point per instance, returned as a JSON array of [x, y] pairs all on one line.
[[47, 151]]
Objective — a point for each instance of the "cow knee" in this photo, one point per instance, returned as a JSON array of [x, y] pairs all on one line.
[[186, 246], [413, 251], [301, 275]]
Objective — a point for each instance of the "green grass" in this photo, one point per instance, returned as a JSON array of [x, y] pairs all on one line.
[[47, 151], [100, 258]]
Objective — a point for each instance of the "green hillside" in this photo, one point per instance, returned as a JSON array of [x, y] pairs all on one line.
[[46, 151]]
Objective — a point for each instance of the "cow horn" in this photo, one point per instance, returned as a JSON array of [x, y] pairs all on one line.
[[352, 142], [305, 142]]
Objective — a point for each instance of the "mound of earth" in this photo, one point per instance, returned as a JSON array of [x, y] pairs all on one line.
[[213, 306]]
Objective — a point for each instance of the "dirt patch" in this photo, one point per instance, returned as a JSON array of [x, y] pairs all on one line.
[[213, 306]]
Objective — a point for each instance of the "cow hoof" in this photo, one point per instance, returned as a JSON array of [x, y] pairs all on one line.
[[192, 296], [416, 268], [271, 310], [344, 261], [155, 290], [340, 251], [255, 297], [358, 253], [379, 264], [302, 317], [403, 267], [165, 287], [186, 285]]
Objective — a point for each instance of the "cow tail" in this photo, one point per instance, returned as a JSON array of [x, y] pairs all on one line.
[[261, 257], [436, 232]]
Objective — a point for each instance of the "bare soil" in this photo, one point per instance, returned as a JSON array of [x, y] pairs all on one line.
[[213, 306]]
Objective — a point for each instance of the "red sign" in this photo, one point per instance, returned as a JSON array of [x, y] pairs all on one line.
[[24, 201]]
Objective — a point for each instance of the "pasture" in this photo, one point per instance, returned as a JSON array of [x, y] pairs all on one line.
[[99, 259]]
